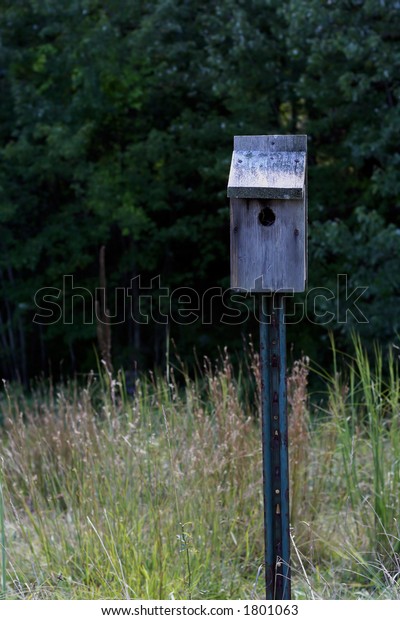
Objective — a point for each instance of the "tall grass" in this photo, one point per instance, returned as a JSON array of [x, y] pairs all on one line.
[[160, 495], [364, 403], [157, 496], [348, 462], [2, 545]]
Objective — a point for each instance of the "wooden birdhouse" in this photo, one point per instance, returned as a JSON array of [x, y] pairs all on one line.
[[268, 194]]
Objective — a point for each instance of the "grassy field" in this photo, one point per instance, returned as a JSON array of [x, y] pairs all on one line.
[[159, 496]]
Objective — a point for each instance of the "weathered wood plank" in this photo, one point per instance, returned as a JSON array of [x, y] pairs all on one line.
[[270, 143], [259, 174], [268, 258]]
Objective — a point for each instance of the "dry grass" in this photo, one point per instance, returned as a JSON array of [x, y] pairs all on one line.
[[160, 496]]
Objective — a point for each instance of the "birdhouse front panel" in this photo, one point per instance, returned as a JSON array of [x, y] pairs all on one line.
[[267, 187]]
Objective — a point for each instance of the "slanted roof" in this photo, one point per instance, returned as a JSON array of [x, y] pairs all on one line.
[[268, 167]]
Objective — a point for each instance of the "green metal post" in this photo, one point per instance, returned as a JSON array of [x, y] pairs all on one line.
[[267, 446], [275, 447]]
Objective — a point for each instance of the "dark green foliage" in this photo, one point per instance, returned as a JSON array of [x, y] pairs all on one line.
[[349, 87], [116, 126]]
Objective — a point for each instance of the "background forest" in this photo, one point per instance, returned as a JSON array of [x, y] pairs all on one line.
[[116, 125]]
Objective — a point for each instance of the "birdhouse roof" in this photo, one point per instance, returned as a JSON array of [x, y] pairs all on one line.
[[268, 167]]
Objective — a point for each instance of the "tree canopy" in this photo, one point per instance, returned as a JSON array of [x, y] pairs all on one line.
[[116, 123]]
